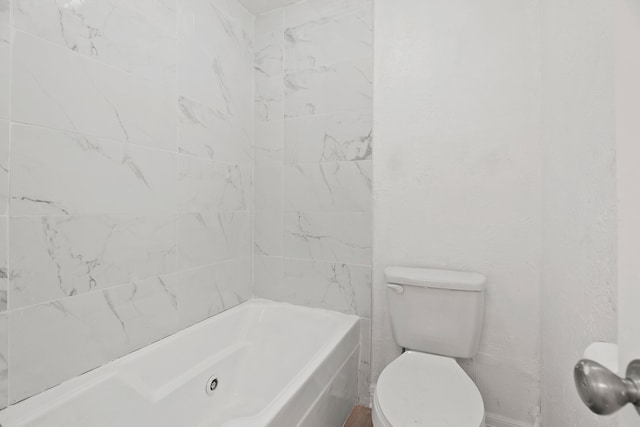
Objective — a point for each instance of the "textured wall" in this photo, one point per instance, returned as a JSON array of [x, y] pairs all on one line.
[[627, 105], [313, 148], [579, 275], [129, 207], [457, 174]]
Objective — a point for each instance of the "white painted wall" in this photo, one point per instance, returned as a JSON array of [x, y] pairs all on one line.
[[457, 173], [627, 105], [579, 274]]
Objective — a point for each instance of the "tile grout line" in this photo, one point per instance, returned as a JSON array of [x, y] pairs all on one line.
[[177, 134], [148, 80], [253, 162], [282, 145], [8, 208], [131, 282]]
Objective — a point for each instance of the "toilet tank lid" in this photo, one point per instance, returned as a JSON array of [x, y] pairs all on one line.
[[434, 278]]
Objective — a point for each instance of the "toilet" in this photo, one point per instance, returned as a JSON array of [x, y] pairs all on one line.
[[436, 316]]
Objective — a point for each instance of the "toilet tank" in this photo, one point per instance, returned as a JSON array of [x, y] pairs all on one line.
[[436, 311]]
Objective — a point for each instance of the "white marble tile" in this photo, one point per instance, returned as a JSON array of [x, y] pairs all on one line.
[[268, 22], [215, 23], [215, 51], [205, 132], [106, 102], [308, 10], [4, 360], [5, 21], [97, 177], [327, 89], [267, 277], [105, 30], [4, 195], [334, 286], [268, 189], [325, 40], [147, 310], [210, 237], [85, 331], [342, 136], [267, 233], [76, 334], [211, 186], [55, 172], [5, 137], [60, 256], [328, 236], [200, 77], [336, 186], [4, 263], [269, 43], [233, 279], [156, 307], [208, 290], [209, 80], [364, 365], [269, 102], [268, 143], [5, 59], [194, 15], [237, 10], [269, 79]]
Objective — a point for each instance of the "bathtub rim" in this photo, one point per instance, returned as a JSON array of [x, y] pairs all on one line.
[[37, 405]]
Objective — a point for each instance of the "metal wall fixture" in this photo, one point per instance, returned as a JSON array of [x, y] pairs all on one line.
[[603, 391]]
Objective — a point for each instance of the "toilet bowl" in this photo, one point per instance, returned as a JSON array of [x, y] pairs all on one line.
[[426, 390], [437, 316]]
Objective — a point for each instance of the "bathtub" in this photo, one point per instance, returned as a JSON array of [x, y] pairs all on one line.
[[259, 364]]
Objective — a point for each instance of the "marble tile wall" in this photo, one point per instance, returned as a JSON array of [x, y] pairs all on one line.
[[313, 151], [5, 108], [128, 216]]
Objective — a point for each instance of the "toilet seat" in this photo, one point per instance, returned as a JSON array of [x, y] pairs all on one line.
[[425, 390]]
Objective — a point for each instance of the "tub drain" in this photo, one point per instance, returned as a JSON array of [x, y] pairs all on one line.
[[212, 384]]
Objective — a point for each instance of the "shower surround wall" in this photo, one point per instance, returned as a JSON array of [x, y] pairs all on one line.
[[128, 214], [313, 145]]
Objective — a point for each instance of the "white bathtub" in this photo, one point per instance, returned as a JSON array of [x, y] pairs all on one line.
[[277, 365]]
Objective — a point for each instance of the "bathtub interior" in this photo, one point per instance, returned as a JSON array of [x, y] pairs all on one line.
[[256, 351]]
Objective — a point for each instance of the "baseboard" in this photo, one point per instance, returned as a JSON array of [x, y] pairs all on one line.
[[494, 420]]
